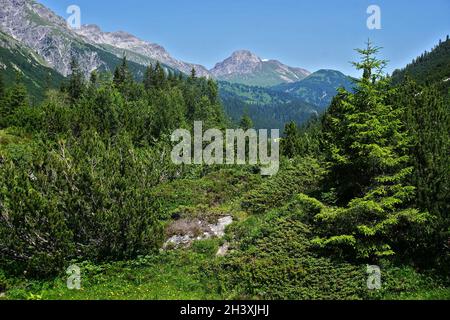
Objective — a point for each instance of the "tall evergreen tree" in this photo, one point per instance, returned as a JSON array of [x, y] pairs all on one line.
[[246, 122], [2, 86], [212, 91], [75, 86], [193, 74], [289, 145], [149, 77], [160, 81], [122, 74], [93, 78], [367, 150], [16, 97]]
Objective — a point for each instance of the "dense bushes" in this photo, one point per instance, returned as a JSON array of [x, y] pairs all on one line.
[[274, 259], [84, 199], [80, 185], [296, 176], [427, 120]]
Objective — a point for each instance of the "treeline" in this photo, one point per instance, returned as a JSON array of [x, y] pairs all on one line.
[[77, 170], [386, 191]]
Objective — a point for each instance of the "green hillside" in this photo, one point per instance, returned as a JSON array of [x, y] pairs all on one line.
[[319, 88], [36, 74], [254, 94], [430, 68], [268, 109]]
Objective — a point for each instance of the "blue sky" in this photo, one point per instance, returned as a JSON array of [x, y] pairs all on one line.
[[309, 34]]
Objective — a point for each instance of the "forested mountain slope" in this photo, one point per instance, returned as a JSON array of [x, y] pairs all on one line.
[[430, 68], [267, 108], [319, 88]]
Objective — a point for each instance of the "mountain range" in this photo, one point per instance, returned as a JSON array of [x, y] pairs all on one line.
[[47, 43]]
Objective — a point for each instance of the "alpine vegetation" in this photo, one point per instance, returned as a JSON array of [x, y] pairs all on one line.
[[128, 174]]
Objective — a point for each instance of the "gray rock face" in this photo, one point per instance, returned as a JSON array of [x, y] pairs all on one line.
[[46, 33], [130, 43], [240, 62], [223, 250], [218, 229]]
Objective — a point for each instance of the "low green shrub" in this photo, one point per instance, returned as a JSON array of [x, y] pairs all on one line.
[[83, 199], [273, 259], [299, 175]]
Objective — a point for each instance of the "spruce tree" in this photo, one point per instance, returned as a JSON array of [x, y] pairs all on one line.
[[148, 77], [93, 78], [160, 81], [193, 74], [367, 151], [289, 145], [212, 91], [122, 74], [246, 122], [2, 86], [75, 86], [15, 98]]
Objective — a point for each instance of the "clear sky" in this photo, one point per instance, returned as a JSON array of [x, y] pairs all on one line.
[[311, 34]]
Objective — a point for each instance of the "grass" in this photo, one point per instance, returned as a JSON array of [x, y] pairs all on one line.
[[175, 275]]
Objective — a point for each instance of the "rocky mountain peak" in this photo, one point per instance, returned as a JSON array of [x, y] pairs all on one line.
[[246, 56], [240, 62], [245, 67]]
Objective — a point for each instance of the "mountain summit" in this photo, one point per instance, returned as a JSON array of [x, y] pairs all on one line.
[[241, 62], [247, 68]]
